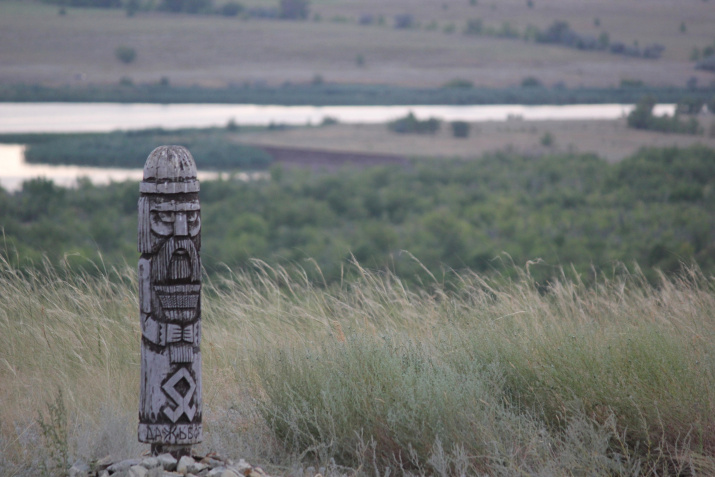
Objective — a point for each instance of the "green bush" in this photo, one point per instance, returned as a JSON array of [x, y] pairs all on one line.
[[530, 82], [231, 9], [460, 129], [642, 118], [474, 27], [294, 9], [459, 83], [125, 54], [411, 125]]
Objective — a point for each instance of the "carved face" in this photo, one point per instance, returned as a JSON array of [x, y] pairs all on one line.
[[170, 217], [164, 216]]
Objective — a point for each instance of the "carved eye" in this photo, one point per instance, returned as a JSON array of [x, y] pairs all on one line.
[[167, 216], [191, 216]]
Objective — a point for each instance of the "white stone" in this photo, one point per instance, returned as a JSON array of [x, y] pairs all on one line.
[[230, 473], [151, 462], [137, 471], [183, 466], [122, 466], [167, 461], [79, 469], [196, 468], [241, 466]]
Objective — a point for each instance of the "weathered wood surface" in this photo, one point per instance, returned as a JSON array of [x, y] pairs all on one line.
[[170, 302]]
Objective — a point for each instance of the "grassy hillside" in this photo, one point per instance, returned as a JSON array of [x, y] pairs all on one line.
[[373, 376], [38, 46]]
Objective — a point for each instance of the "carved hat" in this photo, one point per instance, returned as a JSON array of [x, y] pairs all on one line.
[[169, 170]]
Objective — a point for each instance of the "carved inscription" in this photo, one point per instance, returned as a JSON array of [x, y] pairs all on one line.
[[175, 434], [170, 299]]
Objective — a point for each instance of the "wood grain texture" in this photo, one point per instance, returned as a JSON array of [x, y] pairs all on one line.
[[169, 273]]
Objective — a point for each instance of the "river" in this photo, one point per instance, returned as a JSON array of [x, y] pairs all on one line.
[[104, 117]]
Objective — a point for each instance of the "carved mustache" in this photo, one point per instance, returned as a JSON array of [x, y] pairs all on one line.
[[170, 265]]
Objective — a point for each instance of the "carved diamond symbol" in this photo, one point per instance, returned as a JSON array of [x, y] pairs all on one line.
[[173, 387]]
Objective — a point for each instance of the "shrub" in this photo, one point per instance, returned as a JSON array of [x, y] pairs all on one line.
[[366, 19], [294, 9], [125, 54], [411, 125], [530, 82], [458, 83], [460, 129], [404, 21], [707, 64], [185, 6], [690, 105], [231, 9], [642, 118], [474, 27], [547, 140]]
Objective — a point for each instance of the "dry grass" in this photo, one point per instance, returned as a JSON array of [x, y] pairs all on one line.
[[39, 46], [491, 376], [611, 140]]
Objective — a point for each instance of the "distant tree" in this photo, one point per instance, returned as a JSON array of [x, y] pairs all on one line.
[[411, 125], [125, 54], [87, 3], [131, 7], [558, 32], [403, 21], [707, 64], [186, 6], [294, 9], [366, 19], [642, 118], [547, 140], [643, 112], [474, 26], [231, 9], [530, 82], [458, 83], [690, 105], [460, 129]]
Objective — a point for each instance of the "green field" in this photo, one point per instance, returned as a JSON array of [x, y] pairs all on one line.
[[38, 46]]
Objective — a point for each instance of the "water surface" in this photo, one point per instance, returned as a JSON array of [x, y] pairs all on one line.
[[102, 117]]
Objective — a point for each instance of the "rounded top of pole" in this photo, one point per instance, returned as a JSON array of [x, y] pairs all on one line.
[[169, 170]]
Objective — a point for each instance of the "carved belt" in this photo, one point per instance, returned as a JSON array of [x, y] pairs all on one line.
[[179, 302]]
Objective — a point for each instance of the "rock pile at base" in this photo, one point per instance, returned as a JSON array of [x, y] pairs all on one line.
[[166, 465]]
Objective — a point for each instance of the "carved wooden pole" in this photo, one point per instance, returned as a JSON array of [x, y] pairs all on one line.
[[170, 302]]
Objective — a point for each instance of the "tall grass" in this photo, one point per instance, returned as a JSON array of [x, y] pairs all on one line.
[[489, 376]]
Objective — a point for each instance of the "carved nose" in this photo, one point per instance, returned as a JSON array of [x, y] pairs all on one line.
[[180, 227]]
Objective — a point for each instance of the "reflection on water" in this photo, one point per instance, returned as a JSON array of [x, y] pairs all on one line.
[[101, 117], [98, 117], [15, 170]]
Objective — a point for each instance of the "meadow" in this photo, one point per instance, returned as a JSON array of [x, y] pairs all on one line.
[[375, 377]]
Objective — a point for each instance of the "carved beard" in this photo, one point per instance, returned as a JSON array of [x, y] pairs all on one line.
[[177, 261]]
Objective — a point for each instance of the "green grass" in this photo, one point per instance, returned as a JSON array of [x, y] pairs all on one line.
[[496, 376]]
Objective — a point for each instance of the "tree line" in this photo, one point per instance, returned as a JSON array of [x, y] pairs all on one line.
[[653, 208]]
